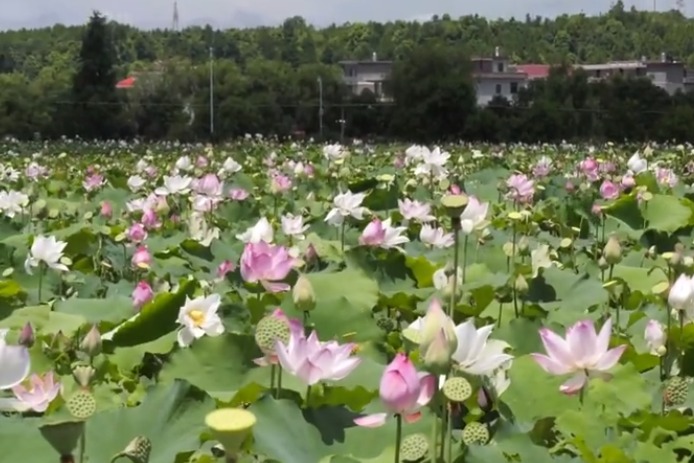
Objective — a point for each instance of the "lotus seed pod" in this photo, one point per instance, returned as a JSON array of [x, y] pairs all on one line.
[[269, 330], [414, 447], [303, 295], [475, 434], [613, 251], [454, 205], [137, 451], [81, 405], [676, 390], [457, 389]]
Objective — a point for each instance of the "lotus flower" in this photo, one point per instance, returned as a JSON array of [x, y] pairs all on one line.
[[381, 234], [313, 361], [474, 215], [266, 264], [141, 258], [142, 294], [403, 391], [476, 353], [40, 392], [608, 190], [521, 188], [656, 338], [346, 205], [47, 250], [198, 318], [636, 164], [415, 210], [261, 231], [14, 363], [582, 353]]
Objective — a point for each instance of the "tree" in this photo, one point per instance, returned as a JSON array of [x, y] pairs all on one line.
[[97, 104], [433, 91]]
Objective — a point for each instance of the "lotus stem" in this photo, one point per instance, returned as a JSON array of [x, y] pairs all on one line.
[[682, 348], [342, 237], [398, 436], [40, 281], [279, 381], [273, 372], [67, 459]]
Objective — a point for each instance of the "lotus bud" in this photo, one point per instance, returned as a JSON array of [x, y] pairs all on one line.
[[677, 255], [613, 251], [26, 337], [438, 341], [91, 344], [523, 244], [303, 295], [652, 252], [521, 285], [602, 263]]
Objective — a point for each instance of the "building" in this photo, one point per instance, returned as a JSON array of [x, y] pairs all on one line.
[[666, 73], [369, 75], [496, 77]]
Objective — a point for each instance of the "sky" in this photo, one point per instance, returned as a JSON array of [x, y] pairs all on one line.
[[250, 13]]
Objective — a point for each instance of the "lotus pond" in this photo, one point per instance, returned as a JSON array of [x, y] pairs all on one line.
[[266, 302]]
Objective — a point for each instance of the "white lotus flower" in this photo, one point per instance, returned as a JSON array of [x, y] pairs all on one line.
[[334, 152], [13, 202], [174, 185], [474, 216], [346, 204], [15, 363], [433, 163], [637, 164], [198, 318], [415, 210], [135, 183], [200, 229], [476, 353], [261, 231], [436, 237], [47, 250], [184, 163], [230, 166], [293, 225]]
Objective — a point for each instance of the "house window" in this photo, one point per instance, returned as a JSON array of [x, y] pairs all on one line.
[[352, 72], [514, 88], [597, 73], [498, 89], [499, 67]]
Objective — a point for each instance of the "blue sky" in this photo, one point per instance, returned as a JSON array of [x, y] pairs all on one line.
[[243, 13]]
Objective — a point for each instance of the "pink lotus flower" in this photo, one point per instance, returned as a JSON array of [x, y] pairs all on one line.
[[403, 391], [295, 329], [589, 168], [381, 234], [313, 361], [570, 187], [666, 177], [309, 170], [238, 194], [582, 353], [280, 183], [106, 210], [455, 190], [608, 190], [224, 268], [136, 233], [627, 181], [150, 219], [142, 294], [521, 188], [93, 182], [596, 210], [209, 185], [310, 255], [42, 390], [201, 161], [266, 264], [141, 257]]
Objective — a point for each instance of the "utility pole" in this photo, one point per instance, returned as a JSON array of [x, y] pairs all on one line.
[[211, 91], [320, 106], [343, 122]]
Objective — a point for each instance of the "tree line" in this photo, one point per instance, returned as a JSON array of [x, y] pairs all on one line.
[[265, 81]]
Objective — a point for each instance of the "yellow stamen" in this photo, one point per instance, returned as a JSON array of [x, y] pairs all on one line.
[[197, 316]]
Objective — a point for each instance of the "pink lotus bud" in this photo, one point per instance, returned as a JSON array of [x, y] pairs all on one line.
[[310, 255], [91, 344], [26, 337], [142, 257], [224, 268], [401, 385], [142, 294], [106, 210], [136, 233]]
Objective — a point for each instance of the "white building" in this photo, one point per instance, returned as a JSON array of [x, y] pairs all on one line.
[[496, 77], [360, 75]]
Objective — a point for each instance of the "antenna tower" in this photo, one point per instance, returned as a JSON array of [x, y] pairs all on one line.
[[175, 17]]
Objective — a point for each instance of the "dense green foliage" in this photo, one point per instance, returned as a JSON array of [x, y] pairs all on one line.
[[265, 80]]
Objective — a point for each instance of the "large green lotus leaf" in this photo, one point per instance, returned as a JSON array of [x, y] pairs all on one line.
[[128, 358], [534, 393], [667, 213], [217, 364], [509, 440], [156, 318], [286, 433], [171, 416], [44, 320], [343, 305], [114, 309], [639, 278], [626, 393], [626, 211]]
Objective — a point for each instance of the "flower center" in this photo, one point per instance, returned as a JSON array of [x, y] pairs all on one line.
[[197, 317]]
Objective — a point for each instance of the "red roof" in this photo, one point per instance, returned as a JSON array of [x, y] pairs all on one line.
[[126, 83], [534, 71]]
